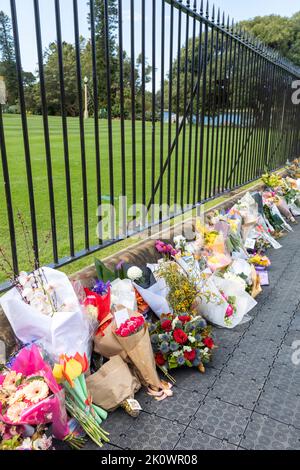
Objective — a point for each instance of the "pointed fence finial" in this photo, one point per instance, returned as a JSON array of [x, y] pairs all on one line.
[[201, 8], [195, 6], [213, 14], [207, 9], [218, 16]]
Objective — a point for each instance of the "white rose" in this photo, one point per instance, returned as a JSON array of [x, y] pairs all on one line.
[[134, 273], [187, 348], [179, 241]]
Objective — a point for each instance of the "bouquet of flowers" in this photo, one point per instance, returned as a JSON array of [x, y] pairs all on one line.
[[182, 289], [99, 299], [29, 394], [272, 180], [181, 340], [260, 260], [133, 337], [43, 308], [70, 373], [22, 438], [165, 249], [130, 327]]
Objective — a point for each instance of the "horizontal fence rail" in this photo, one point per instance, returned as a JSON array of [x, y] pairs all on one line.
[[133, 113]]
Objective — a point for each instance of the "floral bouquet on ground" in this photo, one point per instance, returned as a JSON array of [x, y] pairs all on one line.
[[70, 373], [182, 340], [133, 337], [99, 299], [43, 308], [29, 395], [24, 438], [130, 327]]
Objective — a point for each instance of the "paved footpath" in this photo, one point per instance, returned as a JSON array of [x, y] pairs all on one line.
[[249, 397]]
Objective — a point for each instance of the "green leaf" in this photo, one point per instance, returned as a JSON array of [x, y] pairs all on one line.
[[35, 377], [103, 273]]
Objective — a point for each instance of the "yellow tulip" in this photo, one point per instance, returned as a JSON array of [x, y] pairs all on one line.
[[72, 370], [58, 373]]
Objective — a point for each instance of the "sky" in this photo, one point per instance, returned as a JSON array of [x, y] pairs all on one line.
[[237, 9]]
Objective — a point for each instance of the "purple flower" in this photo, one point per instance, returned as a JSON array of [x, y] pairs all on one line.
[[165, 248], [101, 287], [119, 265]]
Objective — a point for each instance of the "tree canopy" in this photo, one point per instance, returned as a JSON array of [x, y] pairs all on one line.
[[278, 32]]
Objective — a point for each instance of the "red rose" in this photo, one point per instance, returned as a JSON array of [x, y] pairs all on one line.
[[167, 325], [190, 356], [159, 359], [208, 342], [180, 336], [184, 319]]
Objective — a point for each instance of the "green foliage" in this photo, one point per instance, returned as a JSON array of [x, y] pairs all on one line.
[[103, 273], [280, 33], [7, 58]]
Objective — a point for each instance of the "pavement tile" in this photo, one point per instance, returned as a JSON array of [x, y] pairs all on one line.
[[181, 407], [193, 380], [197, 440], [236, 389], [264, 433], [150, 432], [221, 420], [280, 405], [286, 377]]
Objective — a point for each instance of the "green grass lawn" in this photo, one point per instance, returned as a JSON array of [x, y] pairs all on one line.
[[16, 161]]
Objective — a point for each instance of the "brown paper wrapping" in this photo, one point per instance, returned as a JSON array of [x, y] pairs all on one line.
[[139, 350], [112, 384], [108, 345], [256, 287]]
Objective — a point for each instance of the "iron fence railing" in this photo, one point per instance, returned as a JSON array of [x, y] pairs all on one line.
[[193, 107]]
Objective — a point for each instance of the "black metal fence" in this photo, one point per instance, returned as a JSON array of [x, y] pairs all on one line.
[[183, 106]]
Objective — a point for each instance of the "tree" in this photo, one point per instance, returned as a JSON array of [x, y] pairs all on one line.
[[280, 33], [100, 33], [7, 59]]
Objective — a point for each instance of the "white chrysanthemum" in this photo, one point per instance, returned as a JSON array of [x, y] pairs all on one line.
[[36, 391], [192, 339], [134, 273], [187, 349]]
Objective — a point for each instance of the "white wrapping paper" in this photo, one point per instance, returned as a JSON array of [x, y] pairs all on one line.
[[66, 332]]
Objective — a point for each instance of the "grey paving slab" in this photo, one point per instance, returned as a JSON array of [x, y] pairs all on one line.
[[295, 325], [151, 432], [193, 380], [197, 440], [280, 405], [264, 433], [181, 407], [250, 343], [236, 389], [222, 420], [242, 364], [221, 356], [286, 377]]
